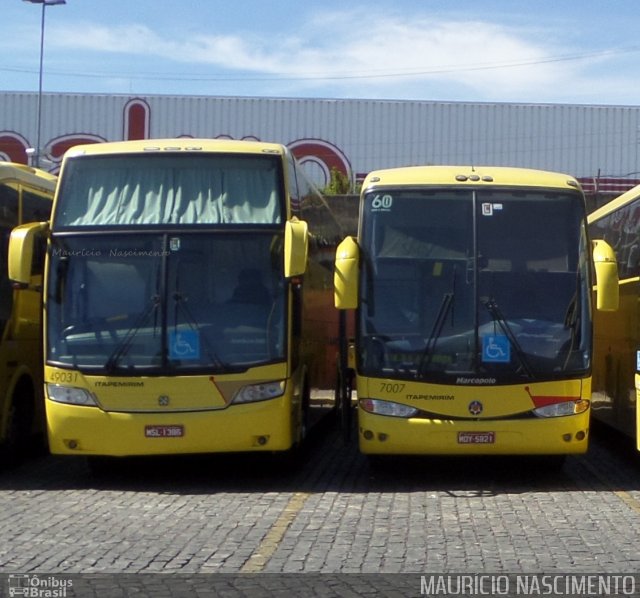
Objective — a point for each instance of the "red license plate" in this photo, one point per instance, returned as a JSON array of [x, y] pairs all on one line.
[[175, 431], [476, 437]]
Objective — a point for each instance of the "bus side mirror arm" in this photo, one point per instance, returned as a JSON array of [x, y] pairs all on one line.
[[296, 247], [21, 252], [346, 274], [606, 270]]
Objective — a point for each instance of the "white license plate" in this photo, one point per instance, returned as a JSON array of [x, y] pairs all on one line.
[[476, 437], [175, 431]]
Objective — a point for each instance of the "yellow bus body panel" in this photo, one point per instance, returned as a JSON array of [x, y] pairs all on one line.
[[460, 176], [198, 406], [79, 430], [440, 437], [448, 407]]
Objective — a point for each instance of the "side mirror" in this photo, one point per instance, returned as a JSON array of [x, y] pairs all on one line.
[[606, 269], [21, 251], [346, 274], [296, 247]]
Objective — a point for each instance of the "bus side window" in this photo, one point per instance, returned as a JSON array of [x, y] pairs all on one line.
[[621, 229]]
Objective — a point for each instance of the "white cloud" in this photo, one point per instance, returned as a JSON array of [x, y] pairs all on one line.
[[353, 50]]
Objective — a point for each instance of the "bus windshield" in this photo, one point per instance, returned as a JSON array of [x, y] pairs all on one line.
[[169, 189], [465, 284], [126, 303]]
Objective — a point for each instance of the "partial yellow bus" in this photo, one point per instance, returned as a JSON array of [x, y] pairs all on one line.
[[179, 279], [26, 195], [473, 322], [616, 361]]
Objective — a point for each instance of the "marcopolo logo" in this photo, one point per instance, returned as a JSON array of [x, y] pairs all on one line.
[[39, 586], [475, 408]]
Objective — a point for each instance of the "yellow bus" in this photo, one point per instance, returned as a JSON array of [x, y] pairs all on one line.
[[184, 285], [473, 323], [616, 358], [26, 195]]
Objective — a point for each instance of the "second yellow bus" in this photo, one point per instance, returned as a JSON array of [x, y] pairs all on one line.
[[473, 324]]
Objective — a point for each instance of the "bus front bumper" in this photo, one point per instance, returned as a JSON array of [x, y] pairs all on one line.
[[385, 435], [90, 431]]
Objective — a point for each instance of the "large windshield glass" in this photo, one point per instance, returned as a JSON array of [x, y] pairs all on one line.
[[463, 285], [165, 189], [122, 303]]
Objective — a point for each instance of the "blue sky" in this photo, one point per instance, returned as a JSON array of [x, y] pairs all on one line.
[[567, 51]]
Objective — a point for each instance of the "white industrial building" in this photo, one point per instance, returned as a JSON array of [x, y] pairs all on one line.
[[597, 144]]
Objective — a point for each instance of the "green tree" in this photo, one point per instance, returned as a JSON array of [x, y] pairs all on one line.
[[339, 184]]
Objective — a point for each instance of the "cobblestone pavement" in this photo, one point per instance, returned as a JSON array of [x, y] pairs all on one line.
[[333, 514]]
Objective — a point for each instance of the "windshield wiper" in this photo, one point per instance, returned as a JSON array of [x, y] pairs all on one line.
[[436, 331], [438, 324], [496, 314], [123, 346]]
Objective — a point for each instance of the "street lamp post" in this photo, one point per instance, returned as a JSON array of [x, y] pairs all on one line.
[[44, 3]]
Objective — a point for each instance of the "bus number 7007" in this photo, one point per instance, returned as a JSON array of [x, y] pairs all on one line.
[[391, 387]]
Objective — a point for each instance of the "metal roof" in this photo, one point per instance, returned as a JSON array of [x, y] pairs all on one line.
[[592, 143]]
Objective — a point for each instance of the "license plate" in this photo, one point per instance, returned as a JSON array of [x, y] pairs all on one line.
[[176, 431], [476, 437]]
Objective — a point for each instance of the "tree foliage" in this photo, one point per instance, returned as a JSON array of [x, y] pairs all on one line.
[[339, 184]]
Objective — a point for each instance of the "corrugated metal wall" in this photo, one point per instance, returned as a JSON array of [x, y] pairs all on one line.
[[581, 140]]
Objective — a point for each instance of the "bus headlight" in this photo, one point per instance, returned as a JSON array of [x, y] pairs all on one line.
[[562, 409], [259, 392], [388, 408], [70, 395]]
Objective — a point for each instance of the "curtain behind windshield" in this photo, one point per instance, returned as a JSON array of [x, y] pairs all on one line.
[[139, 189]]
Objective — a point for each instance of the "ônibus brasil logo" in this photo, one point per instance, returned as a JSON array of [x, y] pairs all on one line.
[[38, 586]]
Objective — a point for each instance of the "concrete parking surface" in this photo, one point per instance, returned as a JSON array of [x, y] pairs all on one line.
[[334, 513]]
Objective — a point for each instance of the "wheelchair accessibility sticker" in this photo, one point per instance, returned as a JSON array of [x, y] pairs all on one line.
[[184, 344], [496, 349]]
